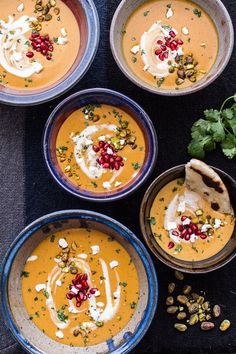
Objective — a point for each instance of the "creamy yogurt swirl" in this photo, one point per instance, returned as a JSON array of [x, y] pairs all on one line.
[[152, 64], [13, 47]]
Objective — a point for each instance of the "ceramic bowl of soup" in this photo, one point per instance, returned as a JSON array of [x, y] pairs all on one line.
[[46, 47], [76, 281], [191, 236], [99, 145], [172, 47]]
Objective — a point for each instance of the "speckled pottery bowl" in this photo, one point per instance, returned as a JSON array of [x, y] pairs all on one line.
[[86, 15], [204, 266], [102, 96], [220, 16], [15, 315]]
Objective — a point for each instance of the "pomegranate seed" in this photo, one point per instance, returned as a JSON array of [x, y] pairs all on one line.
[[168, 44], [49, 57], [70, 295], [194, 227], [158, 51], [101, 144], [171, 245], [43, 46], [198, 233], [166, 55], [159, 42], [175, 233], [96, 148], [34, 35], [44, 52], [184, 217], [184, 233], [30, 54], [106, 165], [187, 237], [119, 159], [163, 48], [78, 303], [172, 34], [203, 236], [172, 46], [174, 42], [116, 166], [106, 157], [50, 48], [180, 228], [93, 290], [190, 231], [38, 50], [121, 164], [179, 41], [106, 146], [161, 57]]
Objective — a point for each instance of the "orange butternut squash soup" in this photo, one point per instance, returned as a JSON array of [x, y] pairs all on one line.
[[170, 44], [186, 224], [100, 148], [35, 38], [80, 287]]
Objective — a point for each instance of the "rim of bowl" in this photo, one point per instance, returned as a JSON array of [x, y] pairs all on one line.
[[125, 191], [57, 90], [147, 237], [140, 249], [172, 93]]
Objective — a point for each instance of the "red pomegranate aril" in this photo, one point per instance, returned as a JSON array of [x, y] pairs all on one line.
[[44, 52], [163, 48], [38, 49], [106, 146], [106, 165], [70, 295], [116, 166], [174, 42], [180, 228], [179, 41], [96, 148], [30, 54], [198, 233], [34, 35], [161, 57], [112, 160], [183, 217], [46, 37], [175, 233], [159, 42], [194, 227], [203, 236], [166, 55], [121, 164], [171, 245], [93, 291], [190, 231], [184, 233], [119, 158], [50, 48], [43, 46], [172, 34], [158, 51], [106, 157], [172, 46], [187, 237], [78, 303]]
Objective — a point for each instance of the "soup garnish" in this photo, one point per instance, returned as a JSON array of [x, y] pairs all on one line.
[[80, 287], [193, 219], [170, 44], [100, 148]]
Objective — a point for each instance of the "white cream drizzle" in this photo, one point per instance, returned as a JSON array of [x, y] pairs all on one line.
[[13, 47], [96, 312], [87, 161]]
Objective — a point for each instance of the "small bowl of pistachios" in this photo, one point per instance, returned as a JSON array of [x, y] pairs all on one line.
[[99, 145]]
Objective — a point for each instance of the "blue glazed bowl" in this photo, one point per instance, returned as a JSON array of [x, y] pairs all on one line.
[[102, 96], [88, 21], [14, 313]]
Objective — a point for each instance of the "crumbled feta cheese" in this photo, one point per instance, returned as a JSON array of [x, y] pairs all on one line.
[[32, 258], [57, 260], [63, 32], [20, 8], [180, 51], [83, 255], [62, 243], [122, 141], [146, 67], [95, 249], [100, 304], [106, 185], [187, 221], [135, 49], [71, 309], [171, 226], [185, 31], [59, 334], [109, 151], [58, 283], [117, 184], [203, 44], [16, 56], [181, 207], [37, 67], [193, 238], [40, 287], [62, 40], [169, 12], [206, 227], [113, 264], [217, 224], [97, 293], [86, 116], [74, 290], [116, 294]]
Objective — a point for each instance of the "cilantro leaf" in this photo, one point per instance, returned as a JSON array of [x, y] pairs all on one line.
[[217, 129], [227, 113], [229, 146], [196, 149], [212, 115]]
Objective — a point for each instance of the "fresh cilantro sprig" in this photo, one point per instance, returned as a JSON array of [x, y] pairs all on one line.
[[217, 127]]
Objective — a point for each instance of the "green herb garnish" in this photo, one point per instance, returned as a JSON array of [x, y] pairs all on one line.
[[25, 274], [61, 315], [216, 127], [197, 12], [160, 81], [133, 305], [134, 59], [151, 220], [136, 166], [46, 294], [178, 248], [146, 13]]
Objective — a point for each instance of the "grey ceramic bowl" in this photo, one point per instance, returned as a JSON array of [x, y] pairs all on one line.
[[86, 15], [208, 265], [14, 313], [223, 23]]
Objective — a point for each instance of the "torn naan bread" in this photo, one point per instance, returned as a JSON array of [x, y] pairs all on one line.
[[202, 179]]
